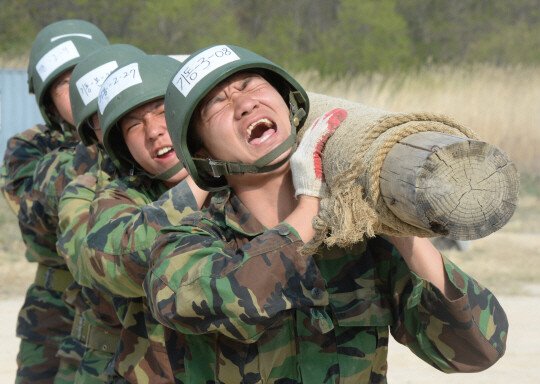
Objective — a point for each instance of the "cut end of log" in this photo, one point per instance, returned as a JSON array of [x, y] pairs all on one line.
[[467, 190]]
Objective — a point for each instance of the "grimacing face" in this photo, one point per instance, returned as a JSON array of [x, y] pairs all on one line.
[[242, 119], [145, 133]]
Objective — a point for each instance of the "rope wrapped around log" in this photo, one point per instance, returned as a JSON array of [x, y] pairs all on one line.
[[352, 163]]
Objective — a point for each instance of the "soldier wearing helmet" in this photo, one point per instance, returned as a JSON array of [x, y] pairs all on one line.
[[92, 339], [45, 320], [232, 279], [128, 212]]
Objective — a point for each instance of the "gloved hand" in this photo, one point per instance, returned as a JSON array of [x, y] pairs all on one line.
[[306, 162]]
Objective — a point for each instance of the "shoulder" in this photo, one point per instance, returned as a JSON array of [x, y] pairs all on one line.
[[84, 158], [39, 134], [38, 130], [210, 219], [56, 159], [120, 184], [40, 138], [124, 189]]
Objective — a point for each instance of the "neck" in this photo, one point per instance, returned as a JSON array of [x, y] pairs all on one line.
[[262, 193]]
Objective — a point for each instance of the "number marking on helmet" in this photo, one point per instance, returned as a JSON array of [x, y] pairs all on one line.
[[119, 81], [57, 56], [89, 84], [201, 65]]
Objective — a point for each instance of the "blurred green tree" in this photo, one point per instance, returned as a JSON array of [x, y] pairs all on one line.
[[339, 37], [368, 36]]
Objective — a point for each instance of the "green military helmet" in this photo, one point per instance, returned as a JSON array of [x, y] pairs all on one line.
[[198, 75], [59, 30], [86, 80], [55, 58], [143, 80]]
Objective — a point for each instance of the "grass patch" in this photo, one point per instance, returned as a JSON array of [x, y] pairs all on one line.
[[17, 62]]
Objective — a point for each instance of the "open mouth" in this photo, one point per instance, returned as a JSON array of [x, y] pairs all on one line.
[[163, 152], [259, 131]]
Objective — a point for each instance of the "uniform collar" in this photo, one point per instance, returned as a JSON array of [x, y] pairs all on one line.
[[235, 214]]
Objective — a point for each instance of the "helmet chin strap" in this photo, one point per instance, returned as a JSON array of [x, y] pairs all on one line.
[[164, 176], [218, 168]]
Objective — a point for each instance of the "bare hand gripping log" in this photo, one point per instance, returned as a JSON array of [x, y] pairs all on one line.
[[409, 174]]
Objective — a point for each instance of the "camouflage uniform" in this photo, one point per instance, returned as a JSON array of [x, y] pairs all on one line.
[[96, 326], [38, 216], [124, 220], [253, 310], [23, 152], [43, 318]]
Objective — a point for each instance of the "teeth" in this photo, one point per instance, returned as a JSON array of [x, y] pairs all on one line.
[[163, 151], [254, 124]]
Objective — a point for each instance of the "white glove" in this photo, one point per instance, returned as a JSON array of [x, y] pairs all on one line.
[[306, 162]]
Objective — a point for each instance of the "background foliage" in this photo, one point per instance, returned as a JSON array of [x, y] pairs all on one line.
[[339, 37]]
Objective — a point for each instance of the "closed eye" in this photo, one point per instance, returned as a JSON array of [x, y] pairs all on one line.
[[128, 125], [216, 104]]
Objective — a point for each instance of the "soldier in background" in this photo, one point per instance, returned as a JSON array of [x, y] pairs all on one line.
[[95, 327], [128, 212], [231, 278], [45, 319]]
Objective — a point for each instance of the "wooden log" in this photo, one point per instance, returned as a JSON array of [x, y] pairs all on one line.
[[457, 187], [412, 174]]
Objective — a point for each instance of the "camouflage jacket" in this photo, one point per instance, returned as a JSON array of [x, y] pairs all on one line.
[[44, 316], [23, 152], [38, 213], [252, 309], [124, 219], [73, 210], [96, 307]]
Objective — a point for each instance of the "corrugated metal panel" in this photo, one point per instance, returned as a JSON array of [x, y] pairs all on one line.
[[18, 109]]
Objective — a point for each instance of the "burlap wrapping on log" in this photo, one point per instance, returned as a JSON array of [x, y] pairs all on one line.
[[352, 162]]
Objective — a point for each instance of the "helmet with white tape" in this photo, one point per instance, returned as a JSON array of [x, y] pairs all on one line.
[[58, 48], [198, 75], [86, 81], [139, 82]]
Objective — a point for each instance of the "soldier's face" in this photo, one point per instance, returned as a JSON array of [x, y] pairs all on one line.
[[146, 136], [59, 92], [243, 119]]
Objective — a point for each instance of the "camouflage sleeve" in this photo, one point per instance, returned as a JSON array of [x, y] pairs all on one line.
[[124, 225], [37, 221], [22, 154], [463, 335], [195, 285], [38, 213], [48, 184], [53, 173], [73, 214]]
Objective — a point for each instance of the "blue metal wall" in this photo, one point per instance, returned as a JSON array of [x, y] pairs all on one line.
[[18, 109]]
